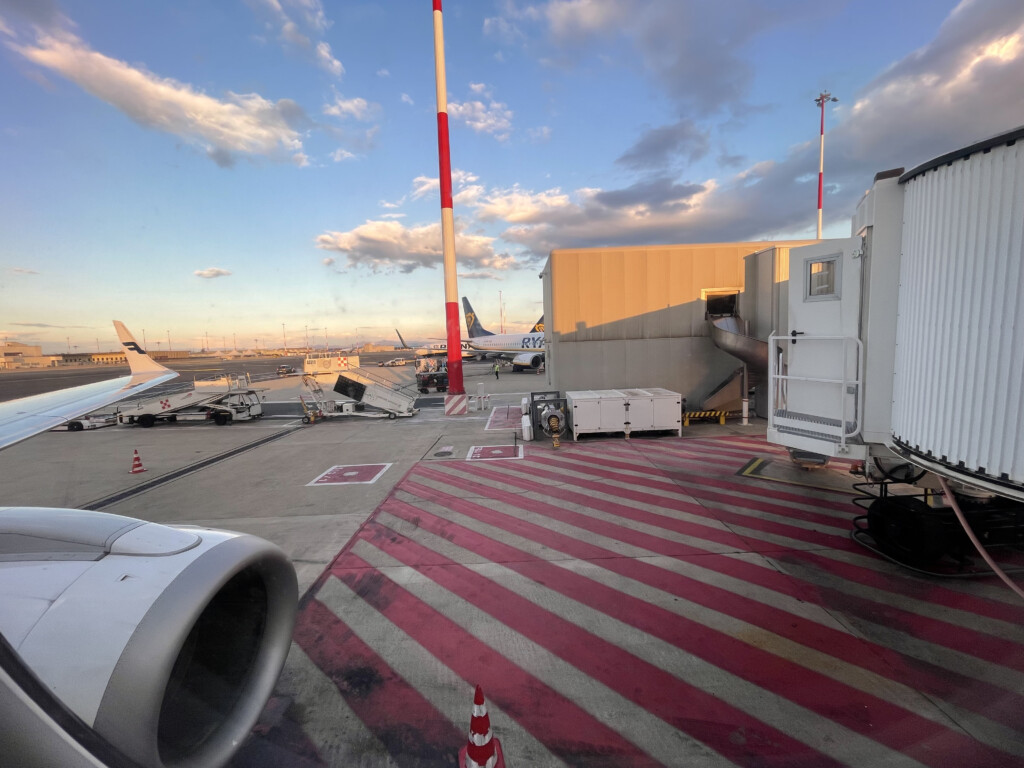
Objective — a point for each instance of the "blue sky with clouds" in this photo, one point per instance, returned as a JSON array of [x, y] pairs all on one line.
[[225, 168]]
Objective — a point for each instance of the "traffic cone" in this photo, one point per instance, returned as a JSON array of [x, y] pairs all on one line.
[[136, 464], [482, 750]]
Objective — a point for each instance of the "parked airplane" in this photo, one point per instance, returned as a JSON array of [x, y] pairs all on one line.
[[436, 350], [525, 350], [127, 643]]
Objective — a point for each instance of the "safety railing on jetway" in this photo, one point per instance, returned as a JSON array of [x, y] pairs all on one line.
[[834, 425]]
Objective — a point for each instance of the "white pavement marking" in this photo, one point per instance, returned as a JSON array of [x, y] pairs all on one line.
[[437, 683], [631, 721], [340, 737]]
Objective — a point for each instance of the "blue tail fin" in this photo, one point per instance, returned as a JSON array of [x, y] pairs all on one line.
[[473, 327], [404, 345]]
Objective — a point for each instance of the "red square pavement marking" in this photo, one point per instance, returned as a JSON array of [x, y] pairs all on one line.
[[491, 452], [503, 417], [350, 474]]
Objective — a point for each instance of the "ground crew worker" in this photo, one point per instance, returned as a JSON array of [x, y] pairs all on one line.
[[496, 371]]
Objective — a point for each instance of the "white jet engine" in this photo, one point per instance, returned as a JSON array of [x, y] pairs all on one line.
[[165, 641], [527, 360]]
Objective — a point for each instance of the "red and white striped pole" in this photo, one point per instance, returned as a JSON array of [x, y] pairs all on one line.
[[451, 286], [823, 98]]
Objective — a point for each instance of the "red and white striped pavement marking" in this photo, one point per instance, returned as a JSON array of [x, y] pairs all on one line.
[[456, 405], [351, 474], [685, 647]]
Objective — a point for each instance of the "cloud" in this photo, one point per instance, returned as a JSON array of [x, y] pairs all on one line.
[[478, 276], [243, 123], [391, 246], [961, 87], [328, 261], [299, 23], [540, 134], [327, 61], [699, 52], [357, 108], [44, 14], [383, 73], [341, 154], [23, 271], [659, 146], [211, 273], [407, 99], [492, 117], [47, 325], [424, 185]]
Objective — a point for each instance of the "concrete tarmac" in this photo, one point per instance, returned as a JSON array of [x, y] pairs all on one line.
[[657, 601]]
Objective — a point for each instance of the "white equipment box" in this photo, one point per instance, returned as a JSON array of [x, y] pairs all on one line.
[[628, 410]]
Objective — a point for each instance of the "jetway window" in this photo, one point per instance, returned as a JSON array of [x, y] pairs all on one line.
[[822, 281]]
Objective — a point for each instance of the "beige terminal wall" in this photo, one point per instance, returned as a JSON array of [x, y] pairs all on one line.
[[633, 316]]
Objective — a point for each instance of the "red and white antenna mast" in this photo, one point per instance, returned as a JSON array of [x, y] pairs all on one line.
[[451, 286], [823, 98]]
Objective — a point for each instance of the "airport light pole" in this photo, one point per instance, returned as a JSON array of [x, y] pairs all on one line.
[[168, 340], [451, 287], [823, 98], [284, 339]]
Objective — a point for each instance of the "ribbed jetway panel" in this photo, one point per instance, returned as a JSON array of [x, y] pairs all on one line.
[[958, 395]]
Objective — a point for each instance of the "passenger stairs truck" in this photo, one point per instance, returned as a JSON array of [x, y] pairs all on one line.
[[377, 391], [222, 401]]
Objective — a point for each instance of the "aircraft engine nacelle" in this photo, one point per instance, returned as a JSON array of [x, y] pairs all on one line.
[[165, 641], [527, 360]]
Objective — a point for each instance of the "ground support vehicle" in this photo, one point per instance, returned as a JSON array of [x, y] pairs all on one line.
[[437, 380], [322, 407], [221, 400], [429, 374], [92, 421], [367, 388]]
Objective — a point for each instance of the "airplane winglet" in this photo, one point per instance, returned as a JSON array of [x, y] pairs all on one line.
[[138, 360]]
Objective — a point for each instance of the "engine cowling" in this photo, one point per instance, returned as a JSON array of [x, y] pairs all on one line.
[[527, 360], [166, 641]]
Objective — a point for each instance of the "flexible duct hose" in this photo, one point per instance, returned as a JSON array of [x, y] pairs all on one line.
[[974, 539]]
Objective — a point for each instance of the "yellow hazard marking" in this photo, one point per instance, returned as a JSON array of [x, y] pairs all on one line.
[[720, 415]]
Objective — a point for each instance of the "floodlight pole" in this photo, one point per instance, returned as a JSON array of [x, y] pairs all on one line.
[[823, 98], [451, 287]]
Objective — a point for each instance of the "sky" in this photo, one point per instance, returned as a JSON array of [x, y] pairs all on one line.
[[258, 172]]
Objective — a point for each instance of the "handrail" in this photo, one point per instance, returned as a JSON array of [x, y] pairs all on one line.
[[775, 378]]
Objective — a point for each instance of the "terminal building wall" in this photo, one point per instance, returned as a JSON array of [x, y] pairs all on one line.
[[634, 316]]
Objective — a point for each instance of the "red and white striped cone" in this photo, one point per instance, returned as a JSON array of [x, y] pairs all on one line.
[[136, 464], [483, 750]]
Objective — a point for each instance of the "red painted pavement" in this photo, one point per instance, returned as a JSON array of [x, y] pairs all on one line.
[[913, 632]]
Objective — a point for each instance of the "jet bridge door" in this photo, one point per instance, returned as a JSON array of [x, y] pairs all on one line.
[[817, 365]]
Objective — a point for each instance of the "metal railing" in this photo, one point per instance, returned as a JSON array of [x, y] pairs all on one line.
[[779, 390]]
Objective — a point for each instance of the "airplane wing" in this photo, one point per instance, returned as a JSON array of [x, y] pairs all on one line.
[[27, 416]]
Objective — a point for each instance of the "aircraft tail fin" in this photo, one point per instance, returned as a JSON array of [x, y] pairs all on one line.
[[138, 360], [473, 327], [404, 345], [538, 327]]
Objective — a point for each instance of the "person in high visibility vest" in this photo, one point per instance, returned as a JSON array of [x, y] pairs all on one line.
[[496, 371]]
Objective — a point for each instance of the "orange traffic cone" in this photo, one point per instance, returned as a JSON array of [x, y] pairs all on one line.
[[136, 464], [482, 751]]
